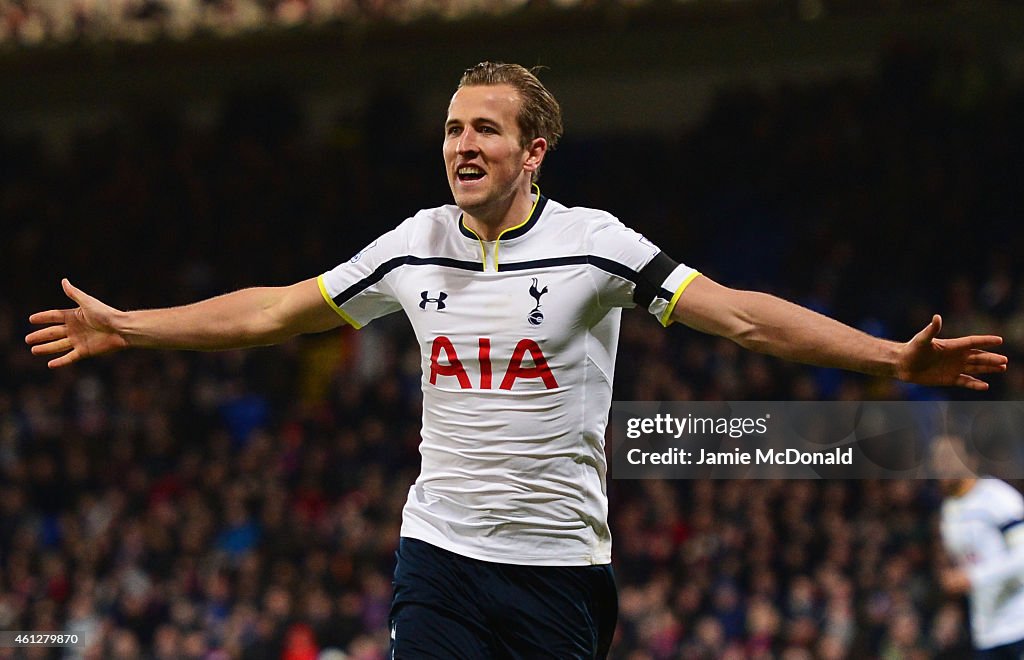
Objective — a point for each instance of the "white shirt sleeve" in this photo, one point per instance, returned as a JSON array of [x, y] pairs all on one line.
[[630, 270], [359, 290]]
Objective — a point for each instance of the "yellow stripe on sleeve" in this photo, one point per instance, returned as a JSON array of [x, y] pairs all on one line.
[[339, 310], [666, 317]]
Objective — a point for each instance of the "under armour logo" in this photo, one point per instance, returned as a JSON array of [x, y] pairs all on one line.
[[439, 301], [536, 317]]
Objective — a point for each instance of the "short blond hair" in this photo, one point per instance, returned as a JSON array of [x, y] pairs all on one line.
[[539, 112]]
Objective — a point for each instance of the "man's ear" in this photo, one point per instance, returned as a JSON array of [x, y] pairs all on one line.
[[535, 152]]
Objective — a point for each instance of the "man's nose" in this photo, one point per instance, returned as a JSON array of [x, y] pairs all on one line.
[[467, 142]]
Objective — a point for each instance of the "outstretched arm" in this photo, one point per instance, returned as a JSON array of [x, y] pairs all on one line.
[[248, 317], [767, 324]]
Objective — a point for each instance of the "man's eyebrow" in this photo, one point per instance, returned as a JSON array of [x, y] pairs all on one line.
[[474, 121]]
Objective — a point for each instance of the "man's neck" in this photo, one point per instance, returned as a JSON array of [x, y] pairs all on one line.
[[489, 224]]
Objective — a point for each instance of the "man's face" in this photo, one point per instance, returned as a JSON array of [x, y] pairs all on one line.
[[483, 156]]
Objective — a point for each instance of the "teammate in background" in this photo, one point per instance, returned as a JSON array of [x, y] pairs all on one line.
[[515, 301], [983, 531]]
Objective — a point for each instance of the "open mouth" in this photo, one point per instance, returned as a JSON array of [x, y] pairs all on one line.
[[469, 173]]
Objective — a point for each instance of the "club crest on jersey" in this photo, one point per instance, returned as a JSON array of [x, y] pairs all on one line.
[[536, 317], [426, 299]]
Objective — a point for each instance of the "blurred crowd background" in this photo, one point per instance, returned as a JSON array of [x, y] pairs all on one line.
[[39, 22], [247, 504], [50, 22]]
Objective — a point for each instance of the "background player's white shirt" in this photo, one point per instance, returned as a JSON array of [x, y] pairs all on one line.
[[984, 531], [517, 339]]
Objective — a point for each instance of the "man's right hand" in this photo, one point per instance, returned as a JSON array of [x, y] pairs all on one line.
[[78, 333]]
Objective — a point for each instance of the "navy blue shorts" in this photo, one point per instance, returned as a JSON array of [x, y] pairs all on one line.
[[449, 606]]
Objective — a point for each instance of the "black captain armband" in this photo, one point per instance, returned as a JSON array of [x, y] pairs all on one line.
[[651, 277]]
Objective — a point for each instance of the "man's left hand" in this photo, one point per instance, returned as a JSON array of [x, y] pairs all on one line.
[[927, 360]]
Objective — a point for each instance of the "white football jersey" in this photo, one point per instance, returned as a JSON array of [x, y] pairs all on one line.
[[984, 532], [517, 339]]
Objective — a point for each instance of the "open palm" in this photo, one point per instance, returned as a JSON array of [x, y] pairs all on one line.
[[927, 360], [78, 333]]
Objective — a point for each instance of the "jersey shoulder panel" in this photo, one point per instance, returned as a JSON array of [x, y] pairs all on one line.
[[633, 270], [609, 238], [430, 229], [360, 290]]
